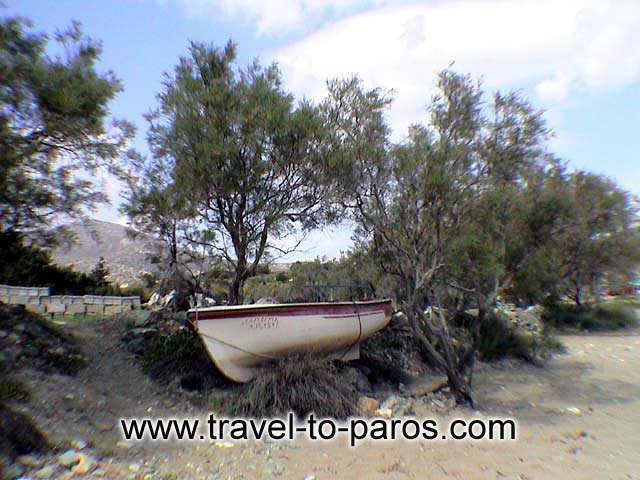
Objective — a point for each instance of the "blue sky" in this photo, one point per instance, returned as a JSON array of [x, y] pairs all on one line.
[[578, 60]]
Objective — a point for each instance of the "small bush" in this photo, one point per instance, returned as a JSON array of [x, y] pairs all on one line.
[[497, 341], [593, 318], [302, 384], [181, 355]]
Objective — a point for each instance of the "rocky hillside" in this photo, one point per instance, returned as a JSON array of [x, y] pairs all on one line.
[[126, 257]]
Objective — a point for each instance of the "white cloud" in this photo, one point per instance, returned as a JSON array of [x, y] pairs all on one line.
[[555, 48], [554, 89], [275, 16]]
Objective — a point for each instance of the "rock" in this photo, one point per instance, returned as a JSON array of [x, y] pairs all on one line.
[[30, 461], [46, 472], [426, 385], [367, 405], [384, 412], [78, 444], [68, 458], [14, 471], [85, 464], [99, 472], [224, 444], [124, 445], [398, 405], [438, 403], [392, 402], [103, 424], [574, 410], [134, 467]]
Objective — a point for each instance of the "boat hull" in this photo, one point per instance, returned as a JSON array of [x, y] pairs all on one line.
[[239, 339]]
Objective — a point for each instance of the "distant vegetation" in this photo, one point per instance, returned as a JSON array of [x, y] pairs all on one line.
[[605, 316]]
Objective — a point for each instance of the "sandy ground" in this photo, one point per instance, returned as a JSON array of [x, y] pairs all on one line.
[[599, 376]]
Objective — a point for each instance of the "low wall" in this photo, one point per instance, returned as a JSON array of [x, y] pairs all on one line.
[[39, 300]]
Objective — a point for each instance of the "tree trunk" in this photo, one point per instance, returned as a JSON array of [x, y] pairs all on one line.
[[236, 289], [452, 365]]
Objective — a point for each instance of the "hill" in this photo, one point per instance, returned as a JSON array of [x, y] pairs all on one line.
[[126, 257]]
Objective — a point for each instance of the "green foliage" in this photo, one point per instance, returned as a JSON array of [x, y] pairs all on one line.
[[135, 290], [449, 210], [28, 265], [498, 341], [302, 384], [600, 241], [53, 126], [247, 157], [180, 355], [100, 272], [589, 317]]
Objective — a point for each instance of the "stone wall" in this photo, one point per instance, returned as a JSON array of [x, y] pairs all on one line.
[[39, 300]]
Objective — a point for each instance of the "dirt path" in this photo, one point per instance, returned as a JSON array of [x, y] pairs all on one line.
[[599, 376]]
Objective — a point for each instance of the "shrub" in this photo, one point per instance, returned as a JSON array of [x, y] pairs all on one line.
[[181, 355], [594, 318], [497, 341], [302, 384]]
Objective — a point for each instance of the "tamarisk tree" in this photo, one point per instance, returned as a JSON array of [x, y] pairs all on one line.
[[246, 156], [443, 208]]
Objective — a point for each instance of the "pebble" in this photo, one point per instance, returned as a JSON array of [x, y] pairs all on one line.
[[30, 461], [46, 472], [574, 410], [134, 467], [123, 444], [78, 444], [68, 458], [384, 413], [85, 464], [367, 405], [99, 473], [224, 444], [103, 425]]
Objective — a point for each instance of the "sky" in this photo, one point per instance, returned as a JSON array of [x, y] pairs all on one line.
[[577, 60]]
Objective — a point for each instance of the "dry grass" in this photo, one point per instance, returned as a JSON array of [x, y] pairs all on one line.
[[302, 384]]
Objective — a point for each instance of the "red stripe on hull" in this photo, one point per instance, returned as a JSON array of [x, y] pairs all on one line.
[[346, 309]]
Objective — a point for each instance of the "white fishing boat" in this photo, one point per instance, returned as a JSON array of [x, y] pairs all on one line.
[[240, 338]]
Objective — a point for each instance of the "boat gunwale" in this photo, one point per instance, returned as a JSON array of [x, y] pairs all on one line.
[[258, 306]]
